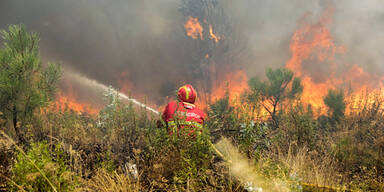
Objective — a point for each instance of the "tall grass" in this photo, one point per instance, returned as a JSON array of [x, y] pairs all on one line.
[[105, 181], [304, 149]]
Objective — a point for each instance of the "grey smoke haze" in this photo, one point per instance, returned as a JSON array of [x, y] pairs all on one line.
[[146, 38]]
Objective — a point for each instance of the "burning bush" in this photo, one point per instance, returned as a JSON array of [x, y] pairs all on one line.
[[281, 86]]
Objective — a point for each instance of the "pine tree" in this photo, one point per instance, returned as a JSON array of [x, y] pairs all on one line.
[[335, 103], [24, 85], [281, 85]]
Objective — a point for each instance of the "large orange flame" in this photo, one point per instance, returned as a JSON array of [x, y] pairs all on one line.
[[315, 57], [313, 44], [314, 54], [318, 60]]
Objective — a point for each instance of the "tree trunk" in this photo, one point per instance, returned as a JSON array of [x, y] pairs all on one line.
[[14, 120], [274, 117]]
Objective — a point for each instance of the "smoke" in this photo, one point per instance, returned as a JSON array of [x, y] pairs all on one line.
[[102, 39], [143, 43], [357, 25]]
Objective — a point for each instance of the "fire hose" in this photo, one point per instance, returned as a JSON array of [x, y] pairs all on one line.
[[306, 186]]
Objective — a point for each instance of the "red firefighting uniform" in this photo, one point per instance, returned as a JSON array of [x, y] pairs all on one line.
[[183, 115]]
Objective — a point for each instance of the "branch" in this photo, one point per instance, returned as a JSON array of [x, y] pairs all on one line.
[[266, 108]]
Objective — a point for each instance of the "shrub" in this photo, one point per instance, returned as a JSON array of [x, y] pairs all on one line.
[[180, 160], [253, 139], [124, 128], [222, 119], [37, 170], [336, 104], [297, 126]]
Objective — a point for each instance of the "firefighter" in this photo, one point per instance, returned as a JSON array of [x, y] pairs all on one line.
[[183, 116]]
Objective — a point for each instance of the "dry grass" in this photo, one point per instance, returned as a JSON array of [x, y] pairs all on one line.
[[104, 181], [311, 167], [85, 145]]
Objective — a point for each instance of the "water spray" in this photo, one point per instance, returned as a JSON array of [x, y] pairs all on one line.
[[94, 83]]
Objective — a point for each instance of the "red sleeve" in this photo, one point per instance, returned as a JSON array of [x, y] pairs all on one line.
[[203, 116], [169, 111]]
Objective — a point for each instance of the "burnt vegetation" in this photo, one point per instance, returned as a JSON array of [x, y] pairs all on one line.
[[121, 149]]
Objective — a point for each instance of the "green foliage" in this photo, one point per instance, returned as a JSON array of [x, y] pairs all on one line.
[[185, 157], [253, 139], [280, 86], [24, 85], [360, 146], [335, 103], [105, 161], [120, 123], [223, 120], [195, 153], [273, 169], [42, 170], [298, 126]]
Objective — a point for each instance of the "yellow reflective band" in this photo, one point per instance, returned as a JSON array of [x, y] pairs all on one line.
[[171, 123], [186, 123], [186, 91]]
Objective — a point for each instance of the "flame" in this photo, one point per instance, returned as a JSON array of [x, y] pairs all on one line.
[[68, 101], [213, 36], [313, 59], [314, 43], [234, 84], [194, 28], [364, 99]]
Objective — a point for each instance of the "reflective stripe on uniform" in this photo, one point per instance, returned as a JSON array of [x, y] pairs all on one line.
[[185, 123]]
